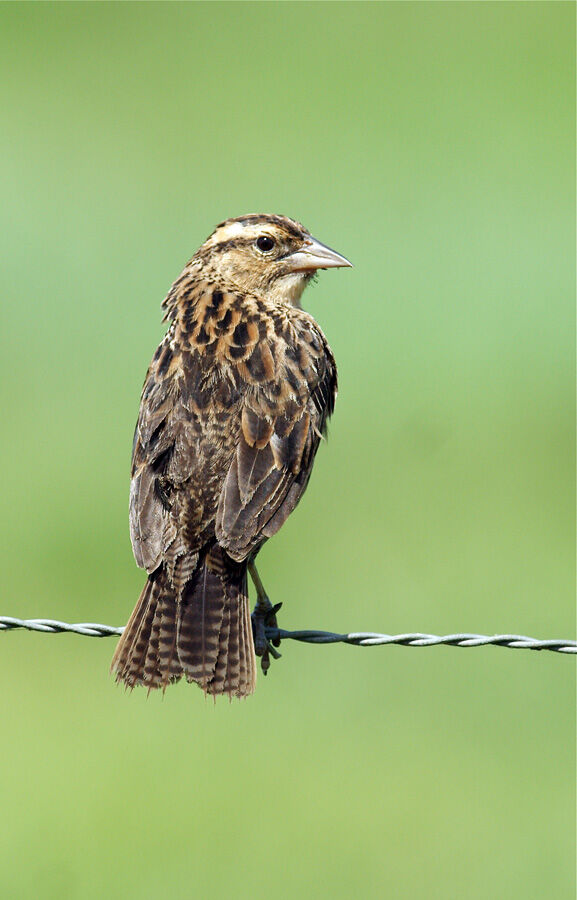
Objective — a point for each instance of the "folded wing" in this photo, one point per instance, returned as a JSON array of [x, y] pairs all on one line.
[[274, 458]]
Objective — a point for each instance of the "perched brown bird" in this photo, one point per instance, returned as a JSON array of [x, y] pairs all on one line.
[[234, 405]]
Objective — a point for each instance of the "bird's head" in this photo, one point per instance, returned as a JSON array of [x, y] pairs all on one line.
[[266, 254]]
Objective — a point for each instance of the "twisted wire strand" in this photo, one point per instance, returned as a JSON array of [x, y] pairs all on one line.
[[417, 639], [356, 638], [53, 626]]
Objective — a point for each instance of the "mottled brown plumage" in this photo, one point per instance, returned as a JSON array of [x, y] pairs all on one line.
[[233, 407]]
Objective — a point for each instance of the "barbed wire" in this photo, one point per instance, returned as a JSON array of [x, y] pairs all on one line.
[[356, 638]]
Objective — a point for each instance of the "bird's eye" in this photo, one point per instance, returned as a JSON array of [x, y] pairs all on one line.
[[265, 243]]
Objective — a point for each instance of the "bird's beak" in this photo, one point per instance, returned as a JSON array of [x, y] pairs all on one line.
[[314, 255]]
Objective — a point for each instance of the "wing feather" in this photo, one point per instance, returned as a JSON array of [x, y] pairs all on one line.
[[274, 456]]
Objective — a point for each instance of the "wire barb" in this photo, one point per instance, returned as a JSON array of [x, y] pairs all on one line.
[[357, 638]]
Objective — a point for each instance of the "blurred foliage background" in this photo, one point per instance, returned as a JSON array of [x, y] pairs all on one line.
[[433, 144]]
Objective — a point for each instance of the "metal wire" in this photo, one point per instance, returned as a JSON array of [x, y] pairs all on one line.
[[52, 626], [357, 638], [371, 639]]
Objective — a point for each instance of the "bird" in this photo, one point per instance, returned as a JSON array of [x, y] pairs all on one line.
[[234, 405]]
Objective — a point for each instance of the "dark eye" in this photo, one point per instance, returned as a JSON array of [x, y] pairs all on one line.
[[265, 243]]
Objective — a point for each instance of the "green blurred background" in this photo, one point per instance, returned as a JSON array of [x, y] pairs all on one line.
[[433, 144]]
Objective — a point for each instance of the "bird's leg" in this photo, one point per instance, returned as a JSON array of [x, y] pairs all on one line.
[[263, 617]]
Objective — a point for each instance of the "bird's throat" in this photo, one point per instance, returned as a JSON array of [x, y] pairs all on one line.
[[289, 289]]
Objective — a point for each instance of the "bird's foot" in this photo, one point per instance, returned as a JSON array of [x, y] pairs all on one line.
[[263, 617]]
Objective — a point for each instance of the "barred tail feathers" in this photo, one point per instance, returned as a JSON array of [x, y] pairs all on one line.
[[202, 632]]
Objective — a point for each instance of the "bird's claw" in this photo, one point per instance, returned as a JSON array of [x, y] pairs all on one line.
[[263, 618]]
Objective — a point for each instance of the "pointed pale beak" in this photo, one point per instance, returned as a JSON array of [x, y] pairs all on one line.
[[314, 255]]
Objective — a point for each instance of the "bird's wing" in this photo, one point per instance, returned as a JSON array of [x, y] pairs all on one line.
[[161, 463], [282, 423], [153, 445]]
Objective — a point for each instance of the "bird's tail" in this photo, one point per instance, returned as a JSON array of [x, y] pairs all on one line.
[[202, 631]]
